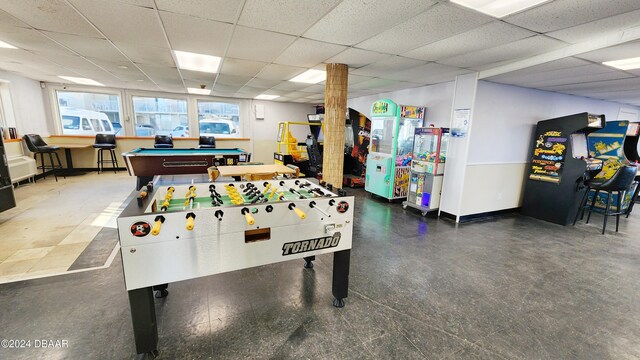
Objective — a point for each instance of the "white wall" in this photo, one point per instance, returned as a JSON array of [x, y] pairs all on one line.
[[264, 132], [28, 104], [504, 119], [437, 98]]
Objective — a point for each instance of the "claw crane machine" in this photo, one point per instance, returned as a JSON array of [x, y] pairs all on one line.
[[427, 169], [390, 148]]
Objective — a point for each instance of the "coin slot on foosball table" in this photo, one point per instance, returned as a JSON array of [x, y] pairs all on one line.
[[257, 235]]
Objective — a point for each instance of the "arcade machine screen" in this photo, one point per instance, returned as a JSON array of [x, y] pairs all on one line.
[[633, 129]]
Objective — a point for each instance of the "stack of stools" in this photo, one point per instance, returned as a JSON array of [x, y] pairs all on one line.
[[36, 145], [620, 183], [106, 142]]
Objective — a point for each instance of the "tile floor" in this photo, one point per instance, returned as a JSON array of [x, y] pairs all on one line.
[[505, 288], [54, 222]]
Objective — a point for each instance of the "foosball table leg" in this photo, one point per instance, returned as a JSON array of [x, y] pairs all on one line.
[[340, 286], [143, 316], [142, 181], [308, 262]]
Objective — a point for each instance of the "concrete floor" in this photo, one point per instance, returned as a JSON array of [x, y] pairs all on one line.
[[506, 288]]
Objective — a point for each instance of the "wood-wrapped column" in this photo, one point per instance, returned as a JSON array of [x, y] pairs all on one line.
[[335, 109]]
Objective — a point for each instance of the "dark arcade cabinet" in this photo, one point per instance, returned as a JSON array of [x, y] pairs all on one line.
[[631, 152], [7, 199], [559, 164]]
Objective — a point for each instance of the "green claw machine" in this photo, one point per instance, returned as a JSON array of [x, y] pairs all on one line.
[[427, 169], [390, 147]]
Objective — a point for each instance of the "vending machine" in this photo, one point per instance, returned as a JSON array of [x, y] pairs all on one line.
[[390, 148], [427, 168]]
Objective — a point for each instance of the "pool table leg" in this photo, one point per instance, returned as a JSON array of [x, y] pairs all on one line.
[[142, 181]]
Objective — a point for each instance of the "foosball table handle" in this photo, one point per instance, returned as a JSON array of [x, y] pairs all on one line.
[[247, 216], [191, 217]]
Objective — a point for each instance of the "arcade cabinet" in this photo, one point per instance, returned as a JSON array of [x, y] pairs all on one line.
[[389, 160], [427, 169], [289, 150], [7, 199], [558, 165], [607, 144], [631, 152], [356, 148]]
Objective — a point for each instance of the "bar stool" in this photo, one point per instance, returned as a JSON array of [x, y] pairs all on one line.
[[36, 145], [619, 183], [106, 142], [163, 142], [207, 142]]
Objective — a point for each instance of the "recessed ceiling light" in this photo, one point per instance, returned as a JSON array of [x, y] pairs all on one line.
[[624, 64], [311, 76], [199, 91], [266, 97], [122, 67], [6, 45], [79, 80], [498, 8], [197, 62], [140, 80]]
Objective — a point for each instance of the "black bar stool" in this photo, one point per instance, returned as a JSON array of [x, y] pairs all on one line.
[[620, 183], [207, 142], [163, 142], [106, 142], [36, 145]]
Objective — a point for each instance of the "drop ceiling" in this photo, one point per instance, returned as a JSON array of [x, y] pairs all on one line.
[[388, 45]]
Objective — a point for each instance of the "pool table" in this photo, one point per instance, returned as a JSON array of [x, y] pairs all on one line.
[[146, 163]]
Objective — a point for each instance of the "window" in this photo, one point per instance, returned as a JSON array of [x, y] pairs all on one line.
[[160, 116], [97, 113], [219, 119]]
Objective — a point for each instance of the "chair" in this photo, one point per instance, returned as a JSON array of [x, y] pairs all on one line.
[[619, 183], [163, 142], [106, 142], [207, 142], [36, 145]]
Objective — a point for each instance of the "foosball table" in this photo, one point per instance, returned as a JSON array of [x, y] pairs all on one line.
[[171, 233]]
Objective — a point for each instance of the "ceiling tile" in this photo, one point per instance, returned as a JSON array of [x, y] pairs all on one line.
[[143, 3], [618, 52], [88, 46], [298, 94], [416, 74], [509, 52], [188, 33], [341, 27], [135, 25], [273, 91], [585, 73], [263, 83], [50, 15], [130, 73], [393, 64], [229, 89], [585, 32], [251, 91], [622, 84], [219, 10], [308, 53], [8, 22], [231, 66], [560, 14], [316, 97], [290, 86], [315, 88], [373, 84], [289, 17], [30, 39], [356, 58], [355, 79], [487, 36], [232, 79], [69, 61], [146, 54], [279, 72], [435, 24], [201, 77], [614, 75], [162, 74], [257, 45]]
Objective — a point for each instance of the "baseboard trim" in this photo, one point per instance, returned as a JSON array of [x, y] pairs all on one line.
[[446, 215]]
